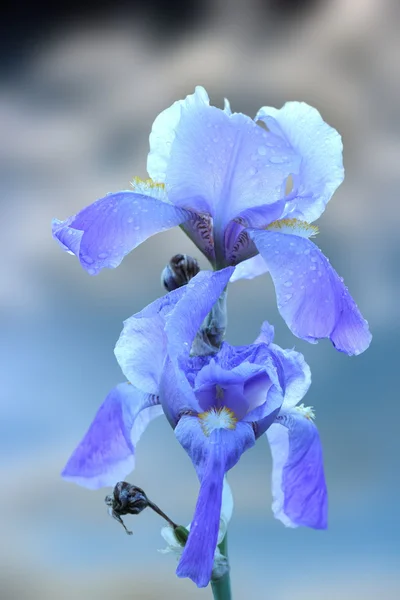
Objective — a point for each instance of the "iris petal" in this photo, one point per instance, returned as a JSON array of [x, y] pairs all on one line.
[[106, 454], [142, 346], [101, 234], [212, 457], [311, 296], [298, 480], [250, 268], [217, 162], [320, 148], [183, 323]]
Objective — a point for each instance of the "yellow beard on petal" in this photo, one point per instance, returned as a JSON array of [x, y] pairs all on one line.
[[217, 418], [293, 227]]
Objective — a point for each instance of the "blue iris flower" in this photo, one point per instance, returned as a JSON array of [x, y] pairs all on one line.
[[218, 404], [246, 195]]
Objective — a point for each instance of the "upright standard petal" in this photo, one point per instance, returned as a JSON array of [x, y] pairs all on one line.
[[311, 296], [298, 480], [217, 162], [319, 148], [212, 456], [142, 346], [101, 234], [107, 452]]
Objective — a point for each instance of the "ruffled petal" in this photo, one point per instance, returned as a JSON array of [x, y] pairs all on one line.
[[107, 452], [298, 480], [217, 162], [101, 234], [212, 456], [319, 148], [164, 131], [142, 346], [311, 296], [250, 268], [297, 375]]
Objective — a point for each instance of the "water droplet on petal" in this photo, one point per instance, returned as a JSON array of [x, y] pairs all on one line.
[[91, 272], [314, 259], [288, 284], [130, 220], [103, 255], [87, 259], [277, 160], [288, 296], [215, 139], [306, 251], [252, 171], [312, 267], [262, 150]]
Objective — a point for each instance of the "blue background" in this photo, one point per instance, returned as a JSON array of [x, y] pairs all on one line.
[[75, 115]]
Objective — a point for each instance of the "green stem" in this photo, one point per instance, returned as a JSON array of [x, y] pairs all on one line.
[[222, 587]]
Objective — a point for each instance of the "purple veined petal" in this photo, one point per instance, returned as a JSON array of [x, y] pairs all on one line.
[[298, 480], [205, 154], [250, 268], [103, 233], [311, 296], [142, 346], [200, 230], [238, 245], [106, 453], [212, 457], [319, 148]]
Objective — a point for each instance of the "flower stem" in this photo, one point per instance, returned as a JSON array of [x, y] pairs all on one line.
[[222, 587]]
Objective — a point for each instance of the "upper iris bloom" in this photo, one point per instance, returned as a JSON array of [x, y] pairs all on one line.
[[218, 405], [241, 192]]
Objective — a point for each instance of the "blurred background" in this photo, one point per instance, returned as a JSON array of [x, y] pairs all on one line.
[[80, 87]]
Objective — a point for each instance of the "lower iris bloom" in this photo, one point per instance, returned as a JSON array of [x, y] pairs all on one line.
[[218, 403], [246, 195]]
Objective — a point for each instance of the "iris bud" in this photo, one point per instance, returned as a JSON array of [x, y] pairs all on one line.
[[179, 271]]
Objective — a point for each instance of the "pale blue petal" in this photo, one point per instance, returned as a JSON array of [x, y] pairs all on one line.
[[311, 297], [250, 268], [319, 146], [106, 453], [297, 375], [217, 162], [164, 131], [298, 480], [103, 233], [142, 346]]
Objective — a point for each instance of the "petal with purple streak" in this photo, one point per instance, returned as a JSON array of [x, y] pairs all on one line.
[[212, 457], [106, 453], [101, 234], [298, 480], [311, 296]]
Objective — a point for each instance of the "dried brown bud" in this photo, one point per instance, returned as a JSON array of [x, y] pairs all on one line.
[[179, 271]]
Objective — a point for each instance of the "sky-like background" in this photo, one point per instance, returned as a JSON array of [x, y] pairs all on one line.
[[80, 88]]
